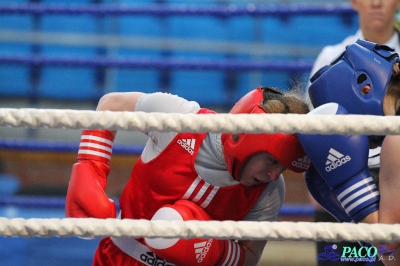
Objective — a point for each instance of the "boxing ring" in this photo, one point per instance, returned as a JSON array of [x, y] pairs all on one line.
[[272, 123], [47, 224]]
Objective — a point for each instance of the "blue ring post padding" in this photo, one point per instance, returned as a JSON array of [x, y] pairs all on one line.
[[59, 203]]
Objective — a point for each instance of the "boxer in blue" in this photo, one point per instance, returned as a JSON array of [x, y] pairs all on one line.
[[364, 79]]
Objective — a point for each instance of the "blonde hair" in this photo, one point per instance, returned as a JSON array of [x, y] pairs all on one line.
[[287, 103]]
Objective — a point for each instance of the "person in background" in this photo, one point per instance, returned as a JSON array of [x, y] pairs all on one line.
[[188, 176], [376, 24]]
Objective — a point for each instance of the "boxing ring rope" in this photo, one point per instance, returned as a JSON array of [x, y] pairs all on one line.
[[289, 123], [300, 231], [234, 123]]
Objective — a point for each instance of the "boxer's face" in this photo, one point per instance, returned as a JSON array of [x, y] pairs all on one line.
[[260, 168]]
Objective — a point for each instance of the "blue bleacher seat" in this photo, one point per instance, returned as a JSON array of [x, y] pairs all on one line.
[[205, 87], [9, 185]]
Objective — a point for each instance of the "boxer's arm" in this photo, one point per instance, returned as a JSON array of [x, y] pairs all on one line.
[[86, 195], [253, 250], [195, 251], [119, 101]]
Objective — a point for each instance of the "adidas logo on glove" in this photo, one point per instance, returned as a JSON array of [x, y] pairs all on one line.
[[335, 159], [187, 144], [201, 249]]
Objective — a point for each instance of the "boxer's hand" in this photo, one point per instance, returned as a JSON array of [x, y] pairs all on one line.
[[86, 190]]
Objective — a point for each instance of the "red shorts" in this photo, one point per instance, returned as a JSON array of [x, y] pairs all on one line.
[[108, 254]]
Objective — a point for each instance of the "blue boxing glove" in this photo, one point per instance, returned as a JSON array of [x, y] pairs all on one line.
[[342, 161], [324, 195]]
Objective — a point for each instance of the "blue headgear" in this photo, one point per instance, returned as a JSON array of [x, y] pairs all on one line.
[[341, 82]]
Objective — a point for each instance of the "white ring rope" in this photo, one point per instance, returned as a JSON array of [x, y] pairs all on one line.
[[271, 123], [299, 231]]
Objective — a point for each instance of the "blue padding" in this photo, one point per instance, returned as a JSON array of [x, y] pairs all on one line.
[[205, 87], [144, 80], [47, 251], [15, 48], [277, 79], [14, 81], [16, 22], [140, 25], [9, 185], [315, 30], [197, 28], [69, 24], [68, 83]]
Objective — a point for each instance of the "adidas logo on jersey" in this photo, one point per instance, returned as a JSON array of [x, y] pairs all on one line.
[[201, 249], [187, 144], [335, 159], [302, 163], [149, 258]]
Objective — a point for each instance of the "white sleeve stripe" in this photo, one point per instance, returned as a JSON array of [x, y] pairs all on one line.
[[100, 139], [210, 197], [201, 192], [232, 258], [234, 254], [192, 188], [95, 153], [94, 145], [229, 254], [237, 253]]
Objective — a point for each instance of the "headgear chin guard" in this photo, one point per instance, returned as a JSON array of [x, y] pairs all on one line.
[[362, 63], [285, 148]]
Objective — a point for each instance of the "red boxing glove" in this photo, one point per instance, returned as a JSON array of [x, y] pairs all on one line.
[[86, 190], [193, 251]]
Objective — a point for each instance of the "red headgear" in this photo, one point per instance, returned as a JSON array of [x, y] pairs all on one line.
[[285, 148]]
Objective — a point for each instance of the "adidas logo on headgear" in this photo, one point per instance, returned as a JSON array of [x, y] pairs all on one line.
[[201, 249], [302, 163], [335, 159], [187, 144]]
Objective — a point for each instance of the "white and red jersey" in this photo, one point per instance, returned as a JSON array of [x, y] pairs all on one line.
[[172, 176]]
